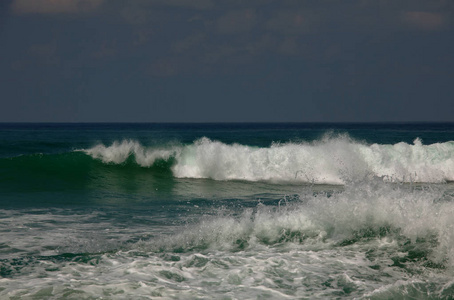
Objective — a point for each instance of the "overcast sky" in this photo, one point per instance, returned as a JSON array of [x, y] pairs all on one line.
[[226, 60]]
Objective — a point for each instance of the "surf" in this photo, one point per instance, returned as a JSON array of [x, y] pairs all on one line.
[[330, 160]]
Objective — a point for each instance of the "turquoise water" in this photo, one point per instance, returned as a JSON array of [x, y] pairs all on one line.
[[227, 211]]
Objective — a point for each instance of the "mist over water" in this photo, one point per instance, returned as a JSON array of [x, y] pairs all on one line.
[[216, 216]]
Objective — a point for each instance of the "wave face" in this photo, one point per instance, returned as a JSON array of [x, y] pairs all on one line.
[[331, 160]]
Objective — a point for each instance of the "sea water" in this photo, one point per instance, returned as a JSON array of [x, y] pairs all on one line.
[[227, 211]]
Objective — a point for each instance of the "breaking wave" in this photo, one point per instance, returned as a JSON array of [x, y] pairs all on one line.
[[331, 160]]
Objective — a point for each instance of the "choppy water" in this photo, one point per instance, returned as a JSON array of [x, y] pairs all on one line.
[[226, 211]]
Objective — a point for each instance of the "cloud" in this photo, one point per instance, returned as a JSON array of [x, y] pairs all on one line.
[[196, 4], [189, 43], [141, 12], [107, 50], [166, 67], [289, 46], [45, 53], [424, 20], [54, 6], [237, 21], [295, 22]]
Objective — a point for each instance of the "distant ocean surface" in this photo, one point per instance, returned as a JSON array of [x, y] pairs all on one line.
[[227, 211]]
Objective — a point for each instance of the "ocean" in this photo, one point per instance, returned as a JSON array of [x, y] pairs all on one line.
[[227, 211]]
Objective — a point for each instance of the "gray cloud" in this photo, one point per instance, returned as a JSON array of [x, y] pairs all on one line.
[[424, 20], [196, 4], [189, 43], [237, 21], [291, 22], [357, 51], [54, 7]]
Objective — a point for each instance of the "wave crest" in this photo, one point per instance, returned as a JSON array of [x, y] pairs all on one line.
[[412, 225], [331, 160], [118, 153]]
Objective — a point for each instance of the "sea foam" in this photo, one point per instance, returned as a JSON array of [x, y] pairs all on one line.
[[331, 160], [408, 221]]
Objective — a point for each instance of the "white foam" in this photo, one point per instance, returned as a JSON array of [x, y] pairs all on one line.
[[332, 160], [118, 153], [268, 251], [322, 219], [411, 163]]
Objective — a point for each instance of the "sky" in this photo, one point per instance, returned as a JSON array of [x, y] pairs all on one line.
[[226, 60]]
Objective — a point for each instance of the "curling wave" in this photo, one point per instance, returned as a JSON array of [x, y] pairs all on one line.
[[331, 160]]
